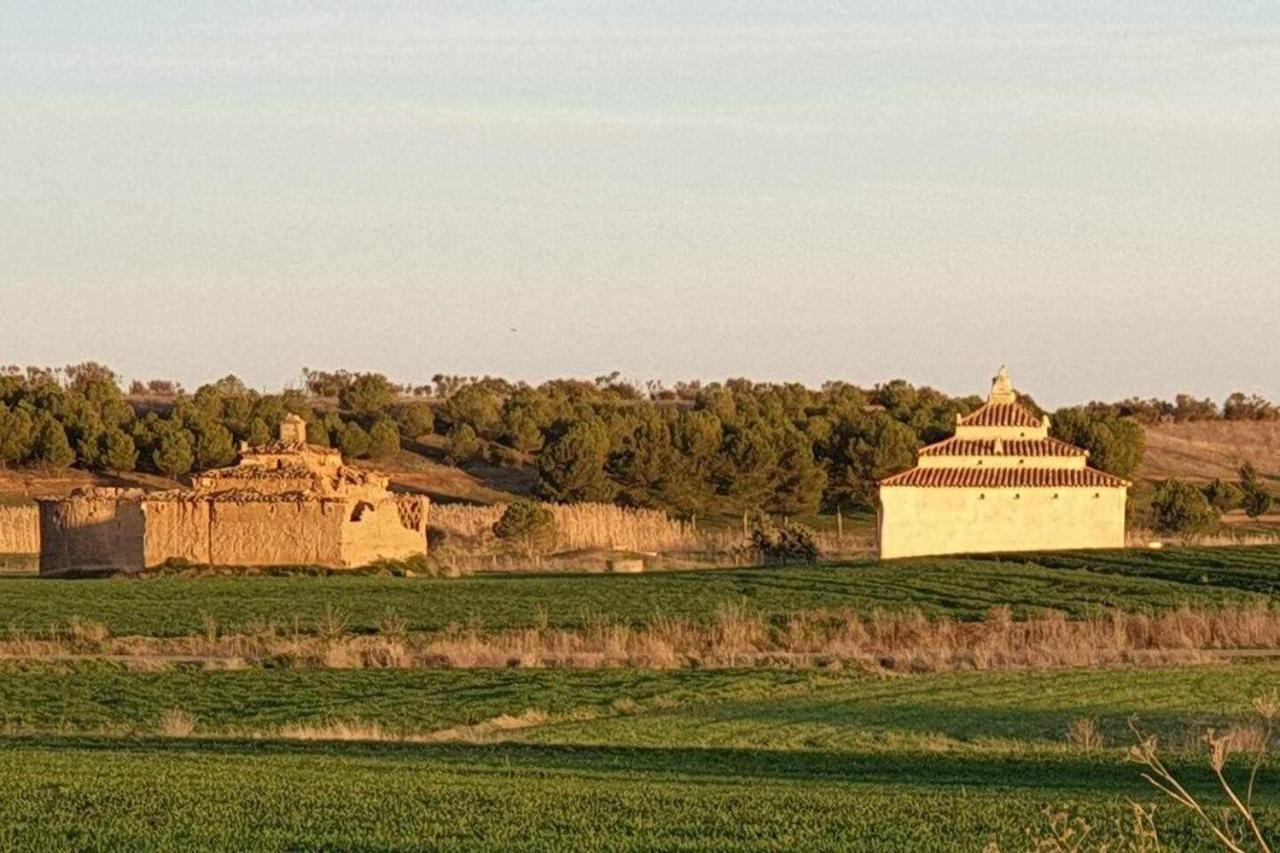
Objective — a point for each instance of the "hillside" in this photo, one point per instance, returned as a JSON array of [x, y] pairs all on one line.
[[1203, 450]]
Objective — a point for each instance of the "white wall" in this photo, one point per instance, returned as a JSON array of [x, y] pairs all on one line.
[[921, 521]]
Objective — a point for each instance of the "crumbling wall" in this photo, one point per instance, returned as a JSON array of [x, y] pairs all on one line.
[[98, 530], [176, 528], [306, 531], [19, 529], [389, 529]]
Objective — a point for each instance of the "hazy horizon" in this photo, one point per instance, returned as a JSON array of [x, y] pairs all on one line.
[[858, 192]]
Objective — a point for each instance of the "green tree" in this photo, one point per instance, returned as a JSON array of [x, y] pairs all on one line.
[[1258, 503], [644, 462], [865, 450], [478, 406], [118, 451], [83, 425], [80, 376], [414, 420], [747, 470], [571, 466], [464, 444], [1181, 508], [1224, 496], [331, 426], [214, 446], [1116, 445], [521, 431], [368, 394], [1256, 500], [354, 441], [384, 439], [259, 433], [174, 453], [802, 481], [16, 435], [528, 526], [51, 446], [688, 487]]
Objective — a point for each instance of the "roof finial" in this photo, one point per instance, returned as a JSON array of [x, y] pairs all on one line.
[[1002, 388]]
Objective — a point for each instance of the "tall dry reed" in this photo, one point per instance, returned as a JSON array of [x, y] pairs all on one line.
[[579, 526], [736, 636]]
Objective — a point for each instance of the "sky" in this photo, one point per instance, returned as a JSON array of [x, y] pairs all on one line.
[[1086, 191]]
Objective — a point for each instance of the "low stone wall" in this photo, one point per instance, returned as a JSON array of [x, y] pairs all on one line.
[[20, 529]]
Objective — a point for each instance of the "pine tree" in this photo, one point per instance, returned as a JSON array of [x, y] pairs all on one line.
[[214, 446], [414, 420], [51, 446], [571, 467], [354, 442], [259, 433], [16, 435], [174, 454], [384, 439], [464, 444], [118, 451]]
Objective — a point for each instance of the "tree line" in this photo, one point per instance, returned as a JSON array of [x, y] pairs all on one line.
[[735, 446], [79, 416], [1182, 508], [1186, 408]]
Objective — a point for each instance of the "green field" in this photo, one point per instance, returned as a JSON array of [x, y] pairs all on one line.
[[962, 588], [613, 759], [624, 760]]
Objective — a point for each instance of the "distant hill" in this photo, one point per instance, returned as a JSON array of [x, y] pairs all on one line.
[[1203, 450]]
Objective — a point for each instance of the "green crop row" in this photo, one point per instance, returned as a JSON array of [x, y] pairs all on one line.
[[962, 588], [792, 709], [245, 795]]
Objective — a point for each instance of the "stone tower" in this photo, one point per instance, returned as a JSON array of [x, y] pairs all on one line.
[[293, 429]]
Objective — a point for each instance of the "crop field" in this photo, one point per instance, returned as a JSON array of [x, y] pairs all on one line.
[[960, 588], [130, 752], [611, 760]]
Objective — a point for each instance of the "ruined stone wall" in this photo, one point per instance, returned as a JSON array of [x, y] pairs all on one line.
[[91, 532], [276, 533], [176, 529], [390, 529], [19, 529]]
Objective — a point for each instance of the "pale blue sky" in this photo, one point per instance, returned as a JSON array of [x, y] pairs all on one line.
[[1087, 191]]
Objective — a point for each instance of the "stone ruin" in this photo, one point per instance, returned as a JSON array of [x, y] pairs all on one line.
[[285, 503]]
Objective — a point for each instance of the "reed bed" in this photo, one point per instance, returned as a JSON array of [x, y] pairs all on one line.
[[579, 526], [735, 637]]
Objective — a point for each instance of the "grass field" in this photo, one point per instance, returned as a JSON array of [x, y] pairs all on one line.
[[620, 760], [961, 588]]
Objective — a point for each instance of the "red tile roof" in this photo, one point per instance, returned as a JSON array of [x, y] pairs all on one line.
[[1002, 415], [1005, 478], [1012, 447]]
